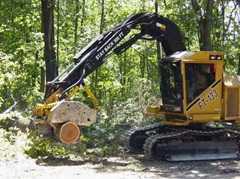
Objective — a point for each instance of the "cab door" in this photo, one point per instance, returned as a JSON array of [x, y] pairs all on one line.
[[203, 87]]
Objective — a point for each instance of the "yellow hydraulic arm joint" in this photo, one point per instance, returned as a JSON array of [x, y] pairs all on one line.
[[44, 108], [91, 96], [89, 93]]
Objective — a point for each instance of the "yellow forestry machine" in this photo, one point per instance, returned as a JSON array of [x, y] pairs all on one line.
[[200, 106]]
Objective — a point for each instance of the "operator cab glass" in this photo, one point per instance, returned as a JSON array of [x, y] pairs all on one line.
[[171, 85], [198, 78]]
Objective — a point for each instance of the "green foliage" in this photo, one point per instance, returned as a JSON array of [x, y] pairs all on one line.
[[14, 120], [11, 124], [99, 140], [44, 147], [20, 52], [7, 121], [93, 144], [21, 45]]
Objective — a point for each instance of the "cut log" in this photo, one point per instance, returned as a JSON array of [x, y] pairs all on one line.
[[68, 133]]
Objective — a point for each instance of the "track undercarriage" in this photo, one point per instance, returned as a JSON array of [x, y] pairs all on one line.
[[171, 143]]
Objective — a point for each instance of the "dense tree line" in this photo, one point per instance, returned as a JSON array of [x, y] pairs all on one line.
[[41, 37]]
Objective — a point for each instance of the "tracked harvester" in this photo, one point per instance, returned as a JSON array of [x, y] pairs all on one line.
[[200, 107], [199, 110]]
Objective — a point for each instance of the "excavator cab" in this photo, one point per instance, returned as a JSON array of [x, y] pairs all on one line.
[[191, 88]]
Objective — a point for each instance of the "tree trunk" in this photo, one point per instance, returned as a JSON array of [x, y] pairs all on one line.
[[223, 22], [76, 25], [205, 38], [238, 64], [43, 80], [58, 30], [143, 60], [142, 65], [158, 45], [102, 22], [159, 54], [83, 16], [204, 22], [49, 40]]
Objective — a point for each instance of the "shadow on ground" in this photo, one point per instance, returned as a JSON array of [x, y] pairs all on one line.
[[162, 169], [194, 169]]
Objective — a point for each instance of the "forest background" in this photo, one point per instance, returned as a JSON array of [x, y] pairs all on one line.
[[38, 40], [69, 25]]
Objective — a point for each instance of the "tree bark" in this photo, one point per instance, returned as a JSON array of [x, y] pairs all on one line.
[[238, 64], [43, 80], [159, 54], [49, 40], [58, 30], [204, 22], [158, 45], [82, 16], [102, 21], [101, 27], [77, 8], [223, 21]]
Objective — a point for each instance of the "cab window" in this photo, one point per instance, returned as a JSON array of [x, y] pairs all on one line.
[[198, 78]]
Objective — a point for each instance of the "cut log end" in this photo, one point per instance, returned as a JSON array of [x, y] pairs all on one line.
[[68, 133]]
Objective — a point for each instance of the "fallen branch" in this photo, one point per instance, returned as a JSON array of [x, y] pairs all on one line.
[[11, 108]]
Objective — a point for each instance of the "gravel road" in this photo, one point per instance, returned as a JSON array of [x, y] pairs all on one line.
[[25, 168]]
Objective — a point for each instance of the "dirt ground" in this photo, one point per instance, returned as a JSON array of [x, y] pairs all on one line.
[[25, 168], [14, 164]]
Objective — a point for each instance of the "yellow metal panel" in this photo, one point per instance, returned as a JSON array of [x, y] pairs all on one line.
[[231, 103], [208, 105], [238, 118], [224, 101], [199, 56], [53, 97], [207, 102], [42, 109], [184, 87], [175, 122], [91, 96], [156, 111], [203, 118]]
